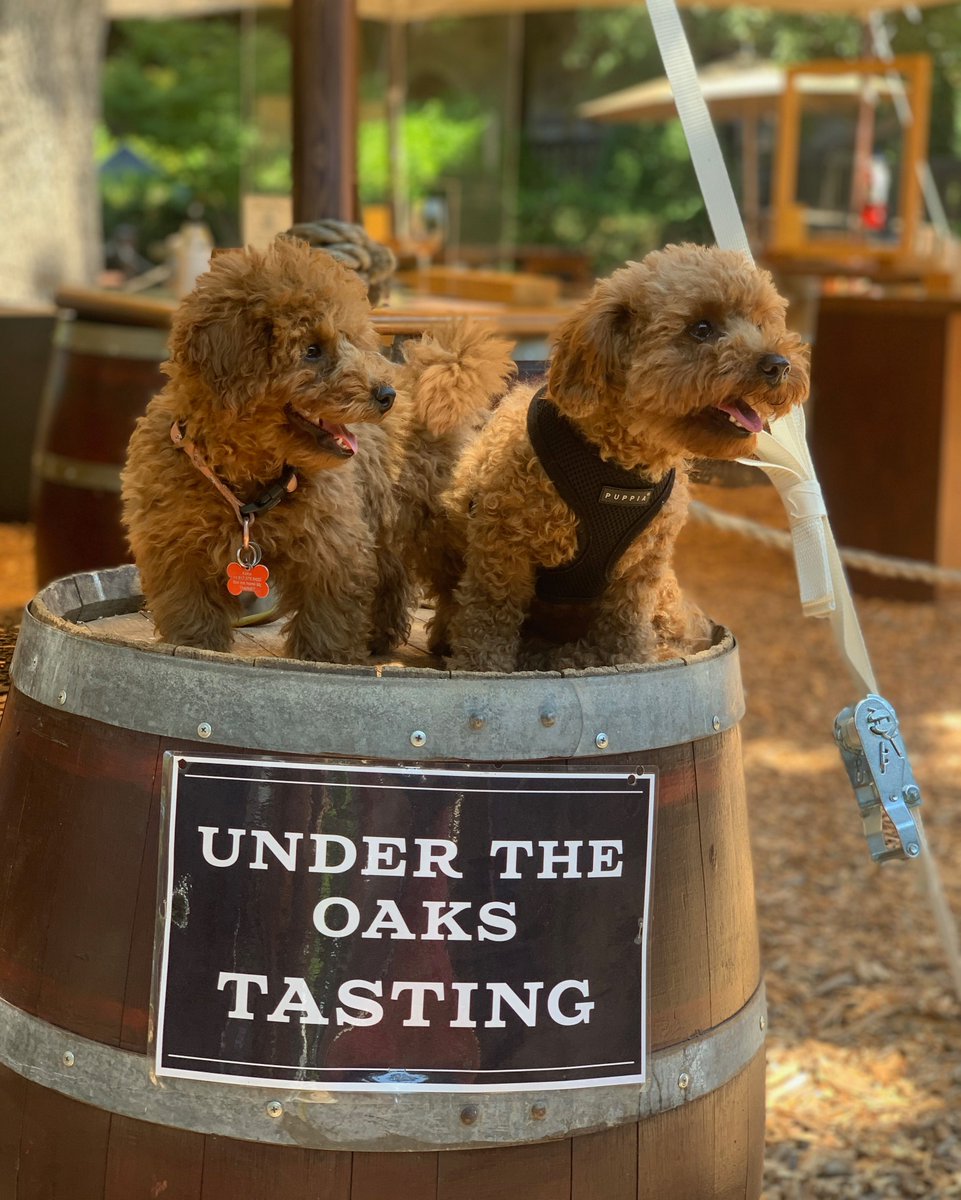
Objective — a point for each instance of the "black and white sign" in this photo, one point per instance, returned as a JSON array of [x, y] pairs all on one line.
[[352, 927]]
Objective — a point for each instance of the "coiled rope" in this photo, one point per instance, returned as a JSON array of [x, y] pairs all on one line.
[[353, 246]]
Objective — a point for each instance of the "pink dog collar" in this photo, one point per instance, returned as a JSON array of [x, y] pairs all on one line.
[[245, 513]]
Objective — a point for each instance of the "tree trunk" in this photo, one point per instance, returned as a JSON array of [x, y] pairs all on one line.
[[50, 60]]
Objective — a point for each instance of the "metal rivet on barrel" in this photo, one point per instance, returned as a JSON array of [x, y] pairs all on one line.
[[274, 1109], [68, 1058], [418, 738], [469, 1114], [204, 729], [548, 718], [683, 1080], [539, 1111], [476, 721], [601, 741], [62, 698], [912, 849], [716, 724]]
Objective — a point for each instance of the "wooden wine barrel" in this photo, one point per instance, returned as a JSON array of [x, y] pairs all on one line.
[[102, 374], [93, 709]]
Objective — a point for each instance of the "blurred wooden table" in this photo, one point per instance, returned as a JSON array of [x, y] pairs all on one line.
[[415, 315]]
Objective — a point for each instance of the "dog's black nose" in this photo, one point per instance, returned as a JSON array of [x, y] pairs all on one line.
[[774, 367], [383, 396]]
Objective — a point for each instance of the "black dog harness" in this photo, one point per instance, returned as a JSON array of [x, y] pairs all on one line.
[[613, 506]]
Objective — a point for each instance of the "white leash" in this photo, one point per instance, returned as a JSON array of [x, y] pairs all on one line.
[[783, 453], [867, 733]]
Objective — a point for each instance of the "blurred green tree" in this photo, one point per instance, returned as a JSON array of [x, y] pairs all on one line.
[[187, 97], [182, 96], [638, 188], [438, 140]]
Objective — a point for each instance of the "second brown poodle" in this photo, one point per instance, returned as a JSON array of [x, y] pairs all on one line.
[[683, 355]]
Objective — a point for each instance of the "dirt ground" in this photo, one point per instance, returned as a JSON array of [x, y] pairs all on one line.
[[864, 1052]]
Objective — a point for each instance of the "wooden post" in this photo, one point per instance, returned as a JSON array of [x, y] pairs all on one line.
[[785, 235], [323, 37], [751, 174], [512, 122], [916, 72], [396, 134]]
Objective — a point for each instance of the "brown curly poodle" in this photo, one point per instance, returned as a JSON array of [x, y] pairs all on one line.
[[278, 392], [685, 354]]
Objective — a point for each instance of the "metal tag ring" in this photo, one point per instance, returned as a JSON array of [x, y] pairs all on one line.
[[248, 556]]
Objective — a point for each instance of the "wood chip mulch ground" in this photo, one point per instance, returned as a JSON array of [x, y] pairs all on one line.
[[864, 1045]]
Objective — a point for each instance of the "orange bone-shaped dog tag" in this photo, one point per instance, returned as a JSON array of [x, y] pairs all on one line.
[[247, 579]]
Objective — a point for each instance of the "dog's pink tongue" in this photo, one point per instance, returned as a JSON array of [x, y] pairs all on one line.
[[343, 436], [744, 415]]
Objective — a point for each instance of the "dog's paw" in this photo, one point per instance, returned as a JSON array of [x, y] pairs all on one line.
[[385, 641], [499, 663], [309, 651], [217, 636]]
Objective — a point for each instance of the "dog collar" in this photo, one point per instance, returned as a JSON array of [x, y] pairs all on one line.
[[613, 506], [245, 513]]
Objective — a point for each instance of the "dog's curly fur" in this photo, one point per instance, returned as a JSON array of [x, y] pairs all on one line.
[[641, 368], [449, 381], [272, 357]]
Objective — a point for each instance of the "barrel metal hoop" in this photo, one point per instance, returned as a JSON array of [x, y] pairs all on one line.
[[123, 1082], [76, 472], [111, 341], [286, 707]]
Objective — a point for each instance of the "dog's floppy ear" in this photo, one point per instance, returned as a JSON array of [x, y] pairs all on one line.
[[590, 350], [229, 353]]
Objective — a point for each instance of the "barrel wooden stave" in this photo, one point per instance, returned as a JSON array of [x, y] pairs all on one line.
[[715, 1152], [57, 1148], [87, 969], [100, 381], [80, 826], [102, 395], [78, 915], [725, 842], [80, 810]]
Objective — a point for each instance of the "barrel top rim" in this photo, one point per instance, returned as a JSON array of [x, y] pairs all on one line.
[[380, 712], [76, 602]]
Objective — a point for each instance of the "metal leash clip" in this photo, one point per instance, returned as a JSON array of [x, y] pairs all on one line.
[[869, 738]]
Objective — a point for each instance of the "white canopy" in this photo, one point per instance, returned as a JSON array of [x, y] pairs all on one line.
[[416, 10], [731, 89], [734, 88]]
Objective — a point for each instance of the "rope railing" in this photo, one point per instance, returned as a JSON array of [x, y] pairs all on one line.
[[886, 565]]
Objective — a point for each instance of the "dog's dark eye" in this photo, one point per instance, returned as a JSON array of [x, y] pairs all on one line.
[[314, 352], [701, 331]]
